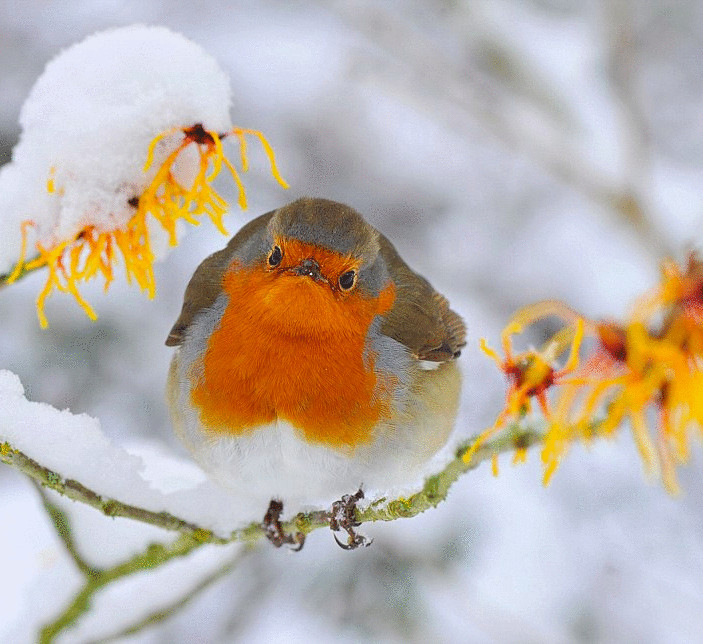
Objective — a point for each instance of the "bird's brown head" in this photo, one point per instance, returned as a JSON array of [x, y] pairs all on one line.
[[313, 266]]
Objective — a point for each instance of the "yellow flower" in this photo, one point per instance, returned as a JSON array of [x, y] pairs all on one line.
[[531, 373], [650, 367], [92, 252]]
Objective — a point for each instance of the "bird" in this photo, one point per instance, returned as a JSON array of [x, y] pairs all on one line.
[[311, 360]]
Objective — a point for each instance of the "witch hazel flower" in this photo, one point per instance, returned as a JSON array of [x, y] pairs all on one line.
[[531, 374], [122, 136], [645, 372]]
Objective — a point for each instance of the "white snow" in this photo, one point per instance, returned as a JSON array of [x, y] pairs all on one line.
[[87, 125], [599, 555], [74, 446]]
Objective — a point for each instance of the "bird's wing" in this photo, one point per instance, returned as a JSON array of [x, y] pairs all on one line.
[[420, 317], [206, 284]]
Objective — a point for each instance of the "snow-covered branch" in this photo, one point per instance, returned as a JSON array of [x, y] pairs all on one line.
[[76, 491], [193, 536], [433, 491]]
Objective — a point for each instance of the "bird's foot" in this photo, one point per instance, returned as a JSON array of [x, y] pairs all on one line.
[[274, 530], [343, 517]]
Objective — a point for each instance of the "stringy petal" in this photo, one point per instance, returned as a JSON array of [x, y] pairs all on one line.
[[645, 373], [122, 131]]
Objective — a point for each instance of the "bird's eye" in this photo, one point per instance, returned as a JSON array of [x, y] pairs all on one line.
[[347, 280], [275, 256]]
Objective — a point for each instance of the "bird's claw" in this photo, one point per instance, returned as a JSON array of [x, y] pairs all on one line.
[[274, 530], [343, 517]]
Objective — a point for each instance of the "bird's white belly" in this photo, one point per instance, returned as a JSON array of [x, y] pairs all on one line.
[[275, 460]]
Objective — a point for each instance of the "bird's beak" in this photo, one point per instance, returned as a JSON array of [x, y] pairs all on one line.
[[309, 267]]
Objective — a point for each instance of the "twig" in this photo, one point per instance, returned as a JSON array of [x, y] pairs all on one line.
[[433, 492], [62, 525], [191, 536], [154, 556], [109, 507], [164, 613]]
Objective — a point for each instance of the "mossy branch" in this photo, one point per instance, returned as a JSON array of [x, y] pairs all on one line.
[[154, 556], [191, 536], [76, 491], [434, 491], [164, 612], [62, 525]]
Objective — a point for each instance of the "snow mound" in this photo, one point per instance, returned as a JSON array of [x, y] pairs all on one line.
[[87, 125], [75, 447]]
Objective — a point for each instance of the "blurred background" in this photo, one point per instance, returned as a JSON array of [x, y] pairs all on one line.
[[513, 151]]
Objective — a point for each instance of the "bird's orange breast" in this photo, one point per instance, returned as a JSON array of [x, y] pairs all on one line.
[[293, 349]]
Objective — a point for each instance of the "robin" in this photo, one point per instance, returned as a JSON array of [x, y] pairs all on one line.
[[311, 359]]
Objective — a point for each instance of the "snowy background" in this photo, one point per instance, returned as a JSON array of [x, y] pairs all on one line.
[[513, 151]]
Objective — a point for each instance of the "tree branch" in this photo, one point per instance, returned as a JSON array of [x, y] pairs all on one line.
[[154, 556], [434, 491], [165, 612], [191, 537], [62, 525], [76, 491]]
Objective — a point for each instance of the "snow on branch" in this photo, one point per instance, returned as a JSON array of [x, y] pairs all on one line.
[[69, 454]]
